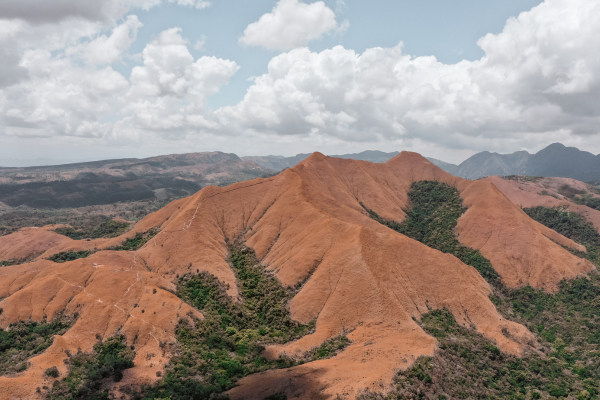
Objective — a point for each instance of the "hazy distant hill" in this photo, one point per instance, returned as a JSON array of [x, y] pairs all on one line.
[[110, 181], [279, 163], [555, 160]]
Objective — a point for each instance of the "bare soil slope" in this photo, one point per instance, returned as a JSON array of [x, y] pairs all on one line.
[[548, 192], [308, 226]]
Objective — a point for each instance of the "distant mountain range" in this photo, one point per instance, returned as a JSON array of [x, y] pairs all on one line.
[[178, 175], [555, 160], [278, 163], [128, 179]]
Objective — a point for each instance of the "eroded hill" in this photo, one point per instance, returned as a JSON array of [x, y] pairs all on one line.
[[352, 291]]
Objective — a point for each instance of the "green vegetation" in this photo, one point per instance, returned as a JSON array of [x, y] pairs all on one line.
[[588, 200], [106, 229], [435, 210], [88, 373], [276, 396], [137, 241], [24, 339], [571, 225], [468, 366], [65, 256], [212, 354], [328, 349], [567, 324], [522, 178]]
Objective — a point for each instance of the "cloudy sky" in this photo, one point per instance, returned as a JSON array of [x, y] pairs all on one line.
[[93, 79]]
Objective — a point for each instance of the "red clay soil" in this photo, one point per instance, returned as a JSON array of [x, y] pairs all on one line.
[[529, 194], [307, 225]]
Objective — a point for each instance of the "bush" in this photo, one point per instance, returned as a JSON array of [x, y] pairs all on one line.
[[23, 340], [467, 365], [89, 372], [215, 352], [65, 256], [106, 229], [436, 207], [571, 225], [52, 372], [136, 242]]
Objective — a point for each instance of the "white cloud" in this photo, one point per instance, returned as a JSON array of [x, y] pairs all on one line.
[[199, 45], [168, 92], [169, 70], [291, 24], [199, 4], [108, 49], [539, 76], [537, 82], [43, 11]]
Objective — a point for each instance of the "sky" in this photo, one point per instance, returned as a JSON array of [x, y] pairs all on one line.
[[88, 80]]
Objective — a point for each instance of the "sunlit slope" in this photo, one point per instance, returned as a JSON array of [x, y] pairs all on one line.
[[309, 226]]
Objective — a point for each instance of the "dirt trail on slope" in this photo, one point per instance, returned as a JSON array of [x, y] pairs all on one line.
[[307, 224]]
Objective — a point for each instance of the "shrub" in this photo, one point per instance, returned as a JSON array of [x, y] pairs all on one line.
[[52, 372], [89, 372], [436, 207], [567, 324], [137, 241], [212, 354], [106, 229], [23, 340], [571, 225], [65, 256]]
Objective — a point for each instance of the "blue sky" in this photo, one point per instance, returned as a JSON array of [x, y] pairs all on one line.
[[448, 30], [134, 78]]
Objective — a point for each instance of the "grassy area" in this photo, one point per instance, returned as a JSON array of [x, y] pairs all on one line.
[[137, 241], [588, 200], [328, 349], [65, 256], [571, 225], [106, 229], [522, 178], [212, 354], [567, 324], [468, 366], [25, 339], [90, 374], [435, 210]]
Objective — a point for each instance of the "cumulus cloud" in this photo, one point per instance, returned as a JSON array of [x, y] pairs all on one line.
[[42, 11], [537, 82], [169, 91], [291, 24], [169, 69], [63, 97], [540, 75], [199, 4], [108, 49]]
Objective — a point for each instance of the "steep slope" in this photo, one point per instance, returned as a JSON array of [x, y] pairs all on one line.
[[310, 228]]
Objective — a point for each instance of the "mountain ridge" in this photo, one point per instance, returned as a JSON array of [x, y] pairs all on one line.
[[309, 226]]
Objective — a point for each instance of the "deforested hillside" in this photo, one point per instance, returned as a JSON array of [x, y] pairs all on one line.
[[337, 278]]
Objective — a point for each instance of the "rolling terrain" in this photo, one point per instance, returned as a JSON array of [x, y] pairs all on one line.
[[555, 160], [325, 281], [85, 194]]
